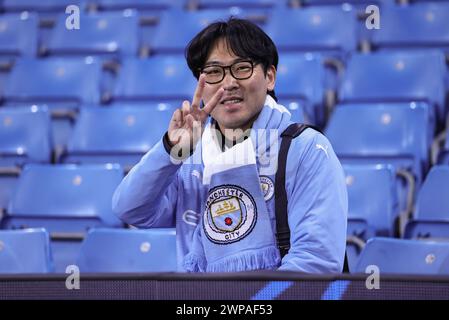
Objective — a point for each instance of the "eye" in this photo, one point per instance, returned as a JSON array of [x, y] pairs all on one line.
[[242, 67], [212, 71]]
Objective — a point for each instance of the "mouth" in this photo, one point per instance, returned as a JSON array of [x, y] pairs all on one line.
[[231, 103]]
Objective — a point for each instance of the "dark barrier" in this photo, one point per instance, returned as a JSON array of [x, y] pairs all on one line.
[[229, 286]]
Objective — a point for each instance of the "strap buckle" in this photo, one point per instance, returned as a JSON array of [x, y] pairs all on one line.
[[283, 242]]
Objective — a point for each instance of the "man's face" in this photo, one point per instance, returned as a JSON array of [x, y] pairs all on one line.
[[242, 100]]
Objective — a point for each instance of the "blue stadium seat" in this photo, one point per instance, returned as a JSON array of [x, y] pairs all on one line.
[[396, 77], [67, 200], [325, 29], [115, 33], [54, 80], [63, 117], [342, 2], [177, 27], [396, 133], [399, 256], [18, 34], [431, 218], [421, 25], [373, 205], [41, 5], [25, 136], [151, 5], [128, 250], [25, 251], [64, 198], [292, 86], [117, 134], [154, 79], [215, 4], [372, 198]]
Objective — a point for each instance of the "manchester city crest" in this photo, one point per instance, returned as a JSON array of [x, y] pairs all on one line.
[[230, 214], [267, 186]]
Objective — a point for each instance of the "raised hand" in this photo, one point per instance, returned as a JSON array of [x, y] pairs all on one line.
[[187, 122]]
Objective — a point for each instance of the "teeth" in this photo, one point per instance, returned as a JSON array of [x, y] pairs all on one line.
[[232, 101]]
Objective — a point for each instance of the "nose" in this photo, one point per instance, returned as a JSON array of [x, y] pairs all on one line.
[[229, 82]]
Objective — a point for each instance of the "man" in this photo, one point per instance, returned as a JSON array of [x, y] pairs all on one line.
[[213, 172]]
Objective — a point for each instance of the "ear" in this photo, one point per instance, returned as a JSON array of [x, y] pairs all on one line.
[[271, 78]]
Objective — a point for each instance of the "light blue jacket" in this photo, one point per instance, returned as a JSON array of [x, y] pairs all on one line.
[[160, 193]]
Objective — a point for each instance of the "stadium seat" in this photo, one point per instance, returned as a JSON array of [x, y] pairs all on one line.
[[154, 79], [396, 77], [215, 4], [66, 200], [151, 5], [372, 198], [373, 205], [424, 1], [406, 257], [292, 86], [324, 29], [341, 2], [18, 35], [40, 6], [112, 33], [421, 25], [431, 218], [128, 250], [25, 251], [25, 137], [118, 134], [177, 27], [55, 80], [396, 133], [63, 117]]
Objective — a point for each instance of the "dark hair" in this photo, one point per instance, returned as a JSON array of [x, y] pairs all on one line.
[[243, 37]]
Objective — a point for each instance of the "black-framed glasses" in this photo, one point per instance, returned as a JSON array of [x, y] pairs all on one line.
[[240, 70]]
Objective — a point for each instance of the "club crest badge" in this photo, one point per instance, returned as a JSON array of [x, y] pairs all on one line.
[[267, 187], [230, 214]]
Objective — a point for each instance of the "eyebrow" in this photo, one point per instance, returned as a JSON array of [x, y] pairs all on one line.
[[214, 62]]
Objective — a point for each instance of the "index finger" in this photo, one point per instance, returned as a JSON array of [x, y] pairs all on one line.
[[198, 95], [213, 101]]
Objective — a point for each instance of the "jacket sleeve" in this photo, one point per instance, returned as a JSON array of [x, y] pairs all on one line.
[[317, 206], [147, 196]]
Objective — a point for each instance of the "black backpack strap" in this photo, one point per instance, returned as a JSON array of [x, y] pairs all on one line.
[[281, 202], [282, 228]]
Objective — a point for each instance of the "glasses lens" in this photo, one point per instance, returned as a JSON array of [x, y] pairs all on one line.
[[213, 74], [242, 70]]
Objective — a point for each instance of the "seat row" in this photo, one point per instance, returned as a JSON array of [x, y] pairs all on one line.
[[68, 83], [143, 251], [330, 29], [103, 250]]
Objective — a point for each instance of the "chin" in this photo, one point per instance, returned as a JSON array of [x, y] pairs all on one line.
[[232, 122]]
